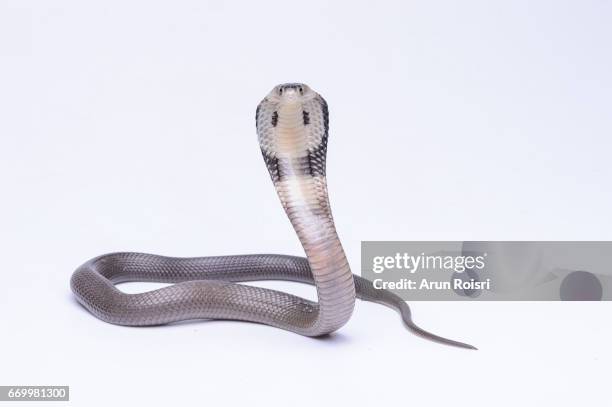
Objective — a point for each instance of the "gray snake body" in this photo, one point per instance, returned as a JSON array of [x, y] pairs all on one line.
[[292, 128]]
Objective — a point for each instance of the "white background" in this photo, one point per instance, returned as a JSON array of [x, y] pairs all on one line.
[[130, 126]]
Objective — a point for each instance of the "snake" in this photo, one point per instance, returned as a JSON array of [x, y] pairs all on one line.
[[292, 124]]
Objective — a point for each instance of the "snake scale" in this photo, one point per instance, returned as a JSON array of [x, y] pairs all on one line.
[[292, 125]]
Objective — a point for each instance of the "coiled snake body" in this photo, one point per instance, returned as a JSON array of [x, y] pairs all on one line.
[[292, 128]]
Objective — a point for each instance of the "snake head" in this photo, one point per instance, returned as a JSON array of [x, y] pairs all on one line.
[[291, 93], [292, 126]]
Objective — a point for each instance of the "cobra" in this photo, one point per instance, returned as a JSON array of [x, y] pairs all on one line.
[[292, 127]]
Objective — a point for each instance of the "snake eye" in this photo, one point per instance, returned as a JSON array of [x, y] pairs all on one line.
[[301, 91], [280, 91]]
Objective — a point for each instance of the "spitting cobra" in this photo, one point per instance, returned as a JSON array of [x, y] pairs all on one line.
[[292, 124]]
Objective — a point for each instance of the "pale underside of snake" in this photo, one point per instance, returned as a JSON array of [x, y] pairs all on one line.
[[292, 128]]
